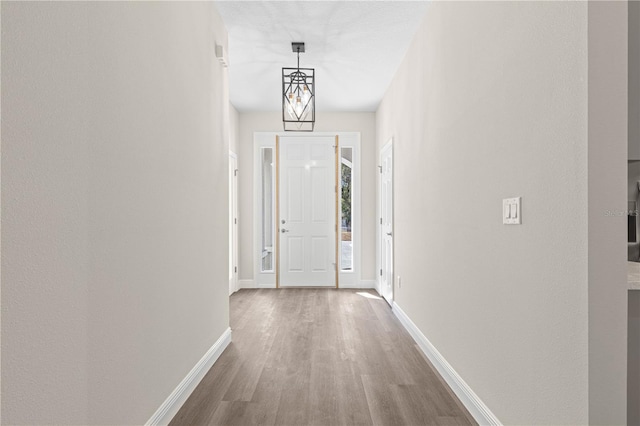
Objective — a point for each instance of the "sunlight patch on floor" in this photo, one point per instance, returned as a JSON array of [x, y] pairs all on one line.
[[368, 295]]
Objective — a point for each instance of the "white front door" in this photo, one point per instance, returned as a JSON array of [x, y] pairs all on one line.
[[307, 211], [386, 222]]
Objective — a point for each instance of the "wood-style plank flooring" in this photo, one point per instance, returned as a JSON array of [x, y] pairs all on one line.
[[319, 357]]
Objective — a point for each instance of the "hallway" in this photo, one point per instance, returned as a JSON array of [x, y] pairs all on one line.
[[319, 356], [470, 158]]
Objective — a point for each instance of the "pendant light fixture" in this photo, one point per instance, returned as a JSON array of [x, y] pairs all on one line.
[[298, 95]]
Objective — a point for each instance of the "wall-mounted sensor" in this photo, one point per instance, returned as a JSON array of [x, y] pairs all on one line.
[[221, 54]]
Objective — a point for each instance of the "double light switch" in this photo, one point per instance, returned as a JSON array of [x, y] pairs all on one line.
[[512, 211]]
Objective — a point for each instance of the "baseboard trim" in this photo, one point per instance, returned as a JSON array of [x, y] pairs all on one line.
[[362, 284], [245, 284], [252, 284], [480, 412], [178, 397], [377, 286], [265, 286]]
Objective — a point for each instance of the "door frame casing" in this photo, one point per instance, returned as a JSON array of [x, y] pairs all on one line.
[[351, 279], [379, 236], [261, 279], [233, 221]]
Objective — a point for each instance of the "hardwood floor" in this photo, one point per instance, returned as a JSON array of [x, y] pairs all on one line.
[[319, 357]]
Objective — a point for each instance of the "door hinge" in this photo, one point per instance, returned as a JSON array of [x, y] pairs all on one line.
[[380, 221], [235, 269], [380, 169], [235, 172], [380, 272], [235, 221]]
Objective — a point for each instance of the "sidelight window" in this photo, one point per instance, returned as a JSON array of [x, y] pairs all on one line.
[[346, 209], [267, 168]]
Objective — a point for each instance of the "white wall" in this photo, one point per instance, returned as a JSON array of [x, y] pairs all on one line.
[[114, 162], [234, 128], [363, 122], [492, 102]]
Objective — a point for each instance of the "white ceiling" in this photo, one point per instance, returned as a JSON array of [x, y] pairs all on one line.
[[354, 46]]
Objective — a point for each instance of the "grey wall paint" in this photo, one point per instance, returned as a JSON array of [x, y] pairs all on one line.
[[607, 156], [509, 103], [634, 80], [45, 265], [114, 183], [634, 114]]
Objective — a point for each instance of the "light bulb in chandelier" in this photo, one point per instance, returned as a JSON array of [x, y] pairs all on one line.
[[299, 107], [306, 94], [290, 105]]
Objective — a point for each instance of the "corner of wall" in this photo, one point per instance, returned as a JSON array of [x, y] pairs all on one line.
[[607, 188]]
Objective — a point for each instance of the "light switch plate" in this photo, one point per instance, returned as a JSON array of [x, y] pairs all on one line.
[[512, 211]]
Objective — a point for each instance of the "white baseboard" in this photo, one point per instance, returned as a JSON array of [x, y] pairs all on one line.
[[265, 286], [360, 284], [377, 286], [246, 284], [178, 397], [480, 412], [252, 284]]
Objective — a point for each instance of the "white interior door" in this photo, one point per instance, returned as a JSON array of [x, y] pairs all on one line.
[[386, 222], [307, 215], [233, 222]]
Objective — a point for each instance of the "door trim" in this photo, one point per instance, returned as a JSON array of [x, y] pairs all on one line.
[[233, 221], [277, 217], [267, 279], [380, 239], [336, 181]]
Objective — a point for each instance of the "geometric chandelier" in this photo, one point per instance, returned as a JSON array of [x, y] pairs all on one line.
[[298, 95]]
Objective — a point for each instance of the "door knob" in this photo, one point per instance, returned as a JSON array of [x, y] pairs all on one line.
[[284, 221], [284, 230]]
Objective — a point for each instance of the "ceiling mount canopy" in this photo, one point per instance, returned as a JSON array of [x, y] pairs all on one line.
[[298, 95]]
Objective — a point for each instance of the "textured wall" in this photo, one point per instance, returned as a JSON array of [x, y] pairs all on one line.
[[114, 183], [634, 79], [491, 103], [607, 190]]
